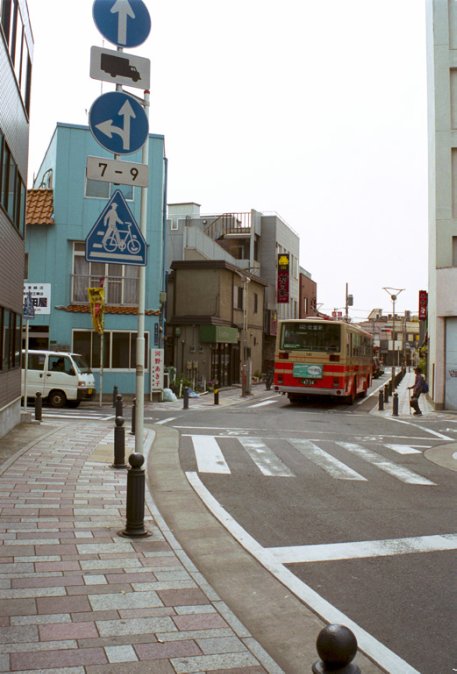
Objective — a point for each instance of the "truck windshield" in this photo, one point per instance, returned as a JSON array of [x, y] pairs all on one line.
[[81, 364], [311, 337]]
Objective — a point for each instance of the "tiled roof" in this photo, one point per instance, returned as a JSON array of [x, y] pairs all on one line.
[[85, 309], [40, 207]]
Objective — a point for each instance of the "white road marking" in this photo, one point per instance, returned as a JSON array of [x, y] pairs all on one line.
[[209, 456], [265, 402], [266, 460], [299, 554], [334, 467], [386, 658], [400, 472], [423, 428], [404, 449], [165, 421]]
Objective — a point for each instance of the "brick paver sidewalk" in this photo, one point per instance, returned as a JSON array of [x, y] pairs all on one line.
[[75, 596]]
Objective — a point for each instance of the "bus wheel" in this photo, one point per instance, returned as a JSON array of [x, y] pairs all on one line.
[[353, 395]]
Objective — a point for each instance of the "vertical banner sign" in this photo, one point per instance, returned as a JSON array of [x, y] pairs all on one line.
[[423, 303], [157, 361], [283, 278], [97, 308]]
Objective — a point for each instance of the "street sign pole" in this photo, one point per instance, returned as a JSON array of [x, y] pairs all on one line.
[[139, 409]]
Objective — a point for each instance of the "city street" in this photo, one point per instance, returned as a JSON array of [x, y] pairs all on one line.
[[348, 509]]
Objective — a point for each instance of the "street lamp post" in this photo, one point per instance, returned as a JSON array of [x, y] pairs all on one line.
[[245, 374], [394, 293]]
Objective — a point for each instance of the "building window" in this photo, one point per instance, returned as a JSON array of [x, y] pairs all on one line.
[[119, 348], [120, 281], [256, 303], [12, 188], [238, 296], [454, 251], [10, 339], [15, 35]]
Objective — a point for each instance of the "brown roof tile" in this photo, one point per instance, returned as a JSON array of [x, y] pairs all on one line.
[[40, 207]]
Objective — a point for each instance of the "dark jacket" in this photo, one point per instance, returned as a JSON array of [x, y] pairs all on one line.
[[418, 383]]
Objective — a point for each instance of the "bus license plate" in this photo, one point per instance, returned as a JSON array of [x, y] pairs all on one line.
[[308, 382]]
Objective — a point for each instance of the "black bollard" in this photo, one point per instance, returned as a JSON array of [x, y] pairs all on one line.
[[185, 399], [381, 401], [119, 444], [132, 432], [386, 393], [216, 396], [115, 392], [118, 405], [395, 405], [390, 387], [135, 498], [337, 647], [38, 407]]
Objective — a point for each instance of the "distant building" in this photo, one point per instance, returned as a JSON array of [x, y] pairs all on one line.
[[16, 48], [253, 242], [308, 295], [396, 338], [62, 209]]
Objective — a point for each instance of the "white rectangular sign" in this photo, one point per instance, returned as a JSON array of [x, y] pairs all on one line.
[[117, 171], [41, 296], [120, 68], [157, 363]]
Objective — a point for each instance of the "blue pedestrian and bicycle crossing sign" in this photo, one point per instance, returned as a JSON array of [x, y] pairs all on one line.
[[118, 122], [116, 237], [125, 23]]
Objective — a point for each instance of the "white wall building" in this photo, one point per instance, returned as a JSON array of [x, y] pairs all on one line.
[[442, 116]]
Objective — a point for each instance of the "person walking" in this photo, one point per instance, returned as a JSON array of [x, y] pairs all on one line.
[[417, 390]]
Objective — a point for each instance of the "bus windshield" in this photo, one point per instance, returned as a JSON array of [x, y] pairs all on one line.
[[81, 364], [324, 337]]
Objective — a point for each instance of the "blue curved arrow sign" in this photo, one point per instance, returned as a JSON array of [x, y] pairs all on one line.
[[125, 23], [118, 122]]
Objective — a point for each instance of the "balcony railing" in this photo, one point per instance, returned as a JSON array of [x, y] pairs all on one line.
[[229, 223], [120, 290]]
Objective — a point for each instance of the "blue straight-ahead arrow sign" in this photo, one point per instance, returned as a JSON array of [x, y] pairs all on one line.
[[125, 23]]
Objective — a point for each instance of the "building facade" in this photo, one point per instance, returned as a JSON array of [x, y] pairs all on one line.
[[442, 119], [16, 51], [252, 242], [63, 208]]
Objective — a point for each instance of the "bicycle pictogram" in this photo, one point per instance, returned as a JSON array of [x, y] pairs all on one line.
[[120, 241]]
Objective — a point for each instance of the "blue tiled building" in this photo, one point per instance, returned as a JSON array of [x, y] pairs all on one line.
[[62, 209]]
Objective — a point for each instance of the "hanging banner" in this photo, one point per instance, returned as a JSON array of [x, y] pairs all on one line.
[[423, 302], [283, 279], [97, 308]]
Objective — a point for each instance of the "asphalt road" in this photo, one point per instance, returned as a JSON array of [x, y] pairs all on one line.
[[357, 518]]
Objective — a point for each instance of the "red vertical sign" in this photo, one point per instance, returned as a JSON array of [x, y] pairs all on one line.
[[283, 278], [423, 302]]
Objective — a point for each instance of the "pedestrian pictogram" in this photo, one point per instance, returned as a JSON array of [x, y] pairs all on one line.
[[125, 23], [118, 122], [116, 237]]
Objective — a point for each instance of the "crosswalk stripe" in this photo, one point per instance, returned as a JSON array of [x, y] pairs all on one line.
[[326, 461], [208, 455], [400, 472], [266, 460], [403, 449]]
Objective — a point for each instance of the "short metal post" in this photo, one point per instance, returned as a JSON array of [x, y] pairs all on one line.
[[386, 393], [395, 405], [135, 497], [185, 399], [115, 392], [216, 396], [118, 405], [38, 407], [119, 444], [390, 386], [132, 432], [337, 647], [381, 401]]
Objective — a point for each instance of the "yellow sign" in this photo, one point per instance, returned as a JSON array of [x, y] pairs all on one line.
[[97, 308]]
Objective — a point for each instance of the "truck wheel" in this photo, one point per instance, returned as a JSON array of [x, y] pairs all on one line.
[[57, 398]]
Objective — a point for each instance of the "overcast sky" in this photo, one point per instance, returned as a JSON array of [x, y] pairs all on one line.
[[313, 109]]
